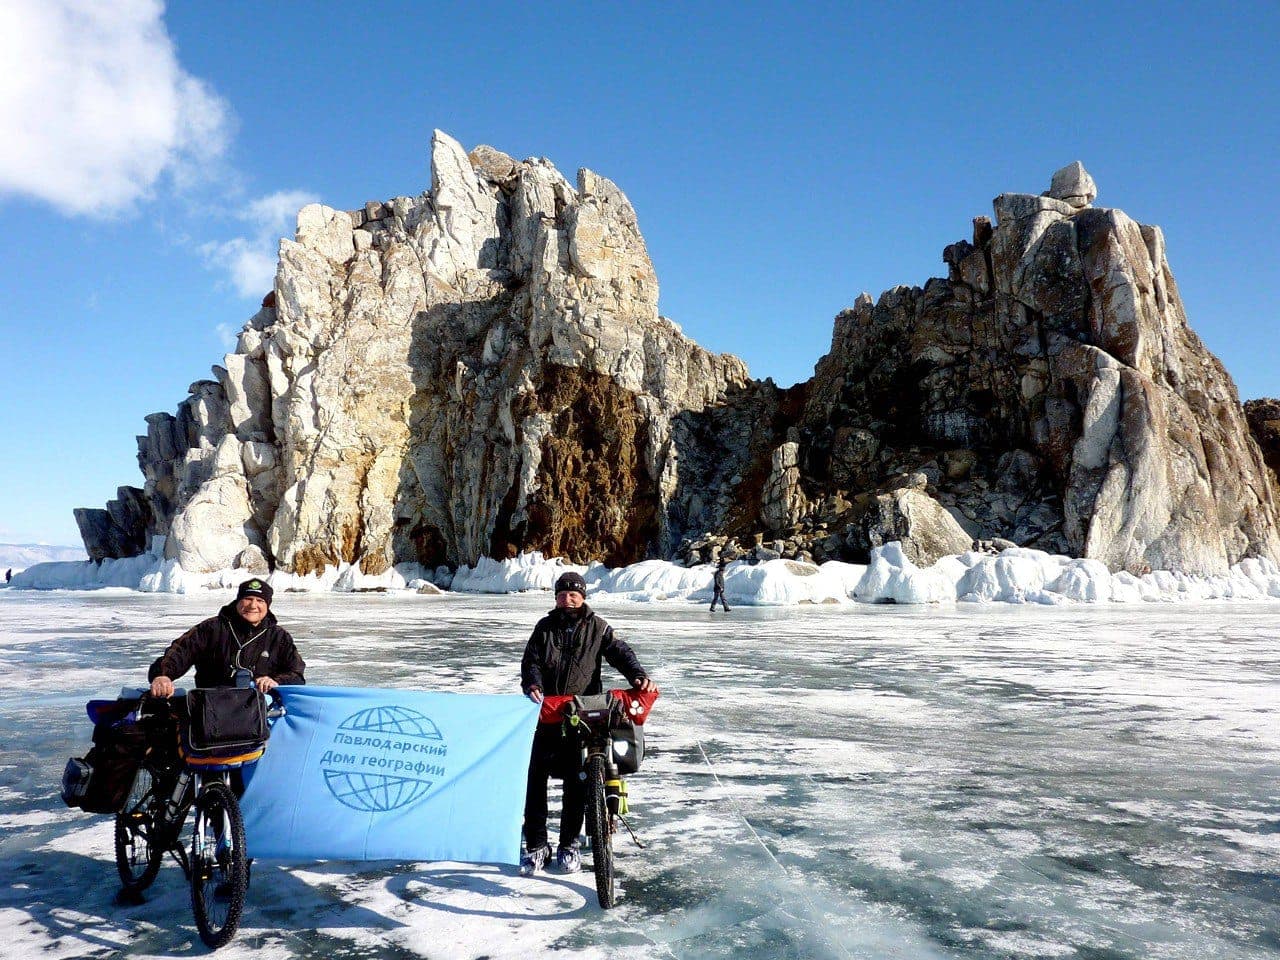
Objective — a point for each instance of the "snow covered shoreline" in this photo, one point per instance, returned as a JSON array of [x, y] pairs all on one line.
[[1015, 576]]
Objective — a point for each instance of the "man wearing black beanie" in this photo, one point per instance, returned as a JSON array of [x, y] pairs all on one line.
[[564, 656], [244, 635]]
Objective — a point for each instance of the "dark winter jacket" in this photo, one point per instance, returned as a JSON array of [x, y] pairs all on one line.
[[564, 653], [217, 646], [717, 580]]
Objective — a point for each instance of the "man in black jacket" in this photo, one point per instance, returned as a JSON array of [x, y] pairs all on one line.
[[245, 635], [563, 657], [717, 584]]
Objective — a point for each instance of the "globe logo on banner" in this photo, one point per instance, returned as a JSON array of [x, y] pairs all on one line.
[[384, 758]]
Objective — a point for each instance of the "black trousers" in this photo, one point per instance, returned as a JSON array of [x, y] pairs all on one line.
[[719, 596], [553, 755]]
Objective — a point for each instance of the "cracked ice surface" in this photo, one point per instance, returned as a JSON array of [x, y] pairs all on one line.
[[968, 782]]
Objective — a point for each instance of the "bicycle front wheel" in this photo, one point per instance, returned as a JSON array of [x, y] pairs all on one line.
[[600, 827], [219, 868], [139, 847]]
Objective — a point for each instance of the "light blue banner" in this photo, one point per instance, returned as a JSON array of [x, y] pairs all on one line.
[[353, 774]]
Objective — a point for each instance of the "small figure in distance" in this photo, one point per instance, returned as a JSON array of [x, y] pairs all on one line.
[[563, 656], [8, 575], [718, 586], [244, 635]]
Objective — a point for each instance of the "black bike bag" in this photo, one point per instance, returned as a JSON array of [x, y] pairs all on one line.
[[626, 736], [100, 781], [225, 722], [628, 746]]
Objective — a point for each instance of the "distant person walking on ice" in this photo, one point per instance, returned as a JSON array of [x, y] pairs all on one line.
[[718, 585], [563, 657], [8, 575]]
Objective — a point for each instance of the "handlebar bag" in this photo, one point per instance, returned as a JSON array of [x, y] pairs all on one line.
[[225, 723], [625, 734], [99, 782]]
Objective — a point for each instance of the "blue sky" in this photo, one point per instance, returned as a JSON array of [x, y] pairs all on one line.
[[782, 158]]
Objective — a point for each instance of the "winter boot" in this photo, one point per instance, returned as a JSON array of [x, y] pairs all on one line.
[[568, 859], [535, 860]]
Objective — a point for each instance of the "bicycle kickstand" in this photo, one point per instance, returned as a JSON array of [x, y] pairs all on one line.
[[634, 839]]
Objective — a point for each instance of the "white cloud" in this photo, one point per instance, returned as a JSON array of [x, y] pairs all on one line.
[[229, 335], [252, 270], [280, 208], [95, 108], [250, 261]]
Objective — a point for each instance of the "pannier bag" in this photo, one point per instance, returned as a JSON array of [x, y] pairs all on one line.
[[76, 776], [628, 746], [625, 734], [100, 781], [227, 725]]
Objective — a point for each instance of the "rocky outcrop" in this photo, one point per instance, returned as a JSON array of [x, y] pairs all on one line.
[[118, 531], [476, 370], [482, 369], [1263, 417], [1053, 393]]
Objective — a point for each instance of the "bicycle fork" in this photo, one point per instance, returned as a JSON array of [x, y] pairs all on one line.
[[206, 857]]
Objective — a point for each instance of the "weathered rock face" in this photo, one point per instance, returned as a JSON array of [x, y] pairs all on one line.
[[482, 369], [1263, 417], [118, 531], [1052, 387], [476, 370]]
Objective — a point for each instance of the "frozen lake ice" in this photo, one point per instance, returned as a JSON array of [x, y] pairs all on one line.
[[1093, 782]]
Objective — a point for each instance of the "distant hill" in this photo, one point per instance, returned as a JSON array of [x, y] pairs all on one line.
[[19, 556]]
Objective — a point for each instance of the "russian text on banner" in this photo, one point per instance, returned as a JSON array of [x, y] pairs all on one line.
[[360, 774]]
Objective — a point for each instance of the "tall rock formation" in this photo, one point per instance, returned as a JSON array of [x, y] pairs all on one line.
[[482, 369], [1056, 357], [473, 371]]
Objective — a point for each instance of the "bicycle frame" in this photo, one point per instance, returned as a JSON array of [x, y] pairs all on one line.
[[152, 822], [592, 718], [594, 741]]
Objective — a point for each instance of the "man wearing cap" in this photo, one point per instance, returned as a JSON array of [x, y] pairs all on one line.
[[245, 635], [564, 656]]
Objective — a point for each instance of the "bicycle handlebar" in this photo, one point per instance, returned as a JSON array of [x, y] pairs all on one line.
[[632, 704], [274, 712]]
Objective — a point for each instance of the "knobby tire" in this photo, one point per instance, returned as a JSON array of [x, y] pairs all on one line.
[[139, 847], [601, 835], [223, 863]]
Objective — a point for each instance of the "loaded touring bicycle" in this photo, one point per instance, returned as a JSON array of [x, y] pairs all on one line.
[[153, 762], [609, 729], [170, 770]]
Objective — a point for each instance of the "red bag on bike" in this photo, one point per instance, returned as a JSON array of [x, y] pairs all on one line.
[[634, 703]]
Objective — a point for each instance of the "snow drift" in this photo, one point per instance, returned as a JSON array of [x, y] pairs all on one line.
[[1015, 576]]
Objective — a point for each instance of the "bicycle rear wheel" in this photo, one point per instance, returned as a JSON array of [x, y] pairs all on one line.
[[219, 869], [139, 848], [599, 826]]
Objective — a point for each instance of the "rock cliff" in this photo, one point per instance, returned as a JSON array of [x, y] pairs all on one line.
[[1053, 393], [1263, 416], [482, 369]]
